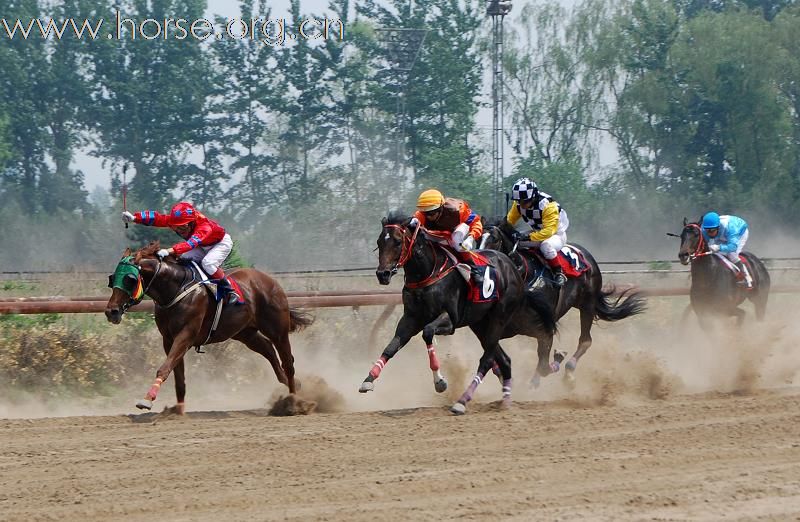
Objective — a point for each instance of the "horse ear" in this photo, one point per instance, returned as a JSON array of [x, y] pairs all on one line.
[[127, 252], [685, 221], [384, 221]]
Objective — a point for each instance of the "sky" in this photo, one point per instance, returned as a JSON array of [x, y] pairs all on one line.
[[96, 175]]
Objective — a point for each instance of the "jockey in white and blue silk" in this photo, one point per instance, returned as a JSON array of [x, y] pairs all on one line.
[[727, 235]]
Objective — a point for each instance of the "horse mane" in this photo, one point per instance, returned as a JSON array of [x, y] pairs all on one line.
[[151, 249], [148, 251]]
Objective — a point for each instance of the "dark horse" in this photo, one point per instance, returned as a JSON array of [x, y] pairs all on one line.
[[435, 300], [184, 313], [584, 293], [714, 288]]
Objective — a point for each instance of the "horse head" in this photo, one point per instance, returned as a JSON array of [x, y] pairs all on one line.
[[692, 242], [497, 235], [131, 280], [395, 245], [126, 287]]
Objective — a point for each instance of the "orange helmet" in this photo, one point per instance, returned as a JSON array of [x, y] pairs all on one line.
[[181, 214], [430, 200]]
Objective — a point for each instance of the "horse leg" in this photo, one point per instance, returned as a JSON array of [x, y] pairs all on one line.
[[760, 302], [275, 328], [284, 348], [407, 328], [175, 354], [502, 368], [584, 342], [486, 362], [442, 325], [180, 379], [180, 388], [254, 340], [544, 367]]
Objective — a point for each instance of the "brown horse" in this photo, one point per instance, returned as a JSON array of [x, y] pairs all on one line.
[[184, 313]]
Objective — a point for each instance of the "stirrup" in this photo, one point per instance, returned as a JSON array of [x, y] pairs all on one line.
[[559, 279]]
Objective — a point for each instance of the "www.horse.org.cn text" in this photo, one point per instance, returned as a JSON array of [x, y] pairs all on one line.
[[268, 31]]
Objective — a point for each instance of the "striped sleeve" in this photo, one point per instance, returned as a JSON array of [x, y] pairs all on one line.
[[150, 218]]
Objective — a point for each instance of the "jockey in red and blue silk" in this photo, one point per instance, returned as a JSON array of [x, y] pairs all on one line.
[[206, 242]]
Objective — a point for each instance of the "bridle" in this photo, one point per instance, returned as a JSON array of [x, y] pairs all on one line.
[[700, 249], [406, 252], [406, 249]]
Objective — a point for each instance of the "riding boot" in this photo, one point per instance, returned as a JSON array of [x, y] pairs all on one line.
[[224, 289], [743, 275], [559, 279]]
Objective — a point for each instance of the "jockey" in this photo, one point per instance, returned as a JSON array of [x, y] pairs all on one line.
[[206, 242], [450, 215], [547, 219], [728, 235]]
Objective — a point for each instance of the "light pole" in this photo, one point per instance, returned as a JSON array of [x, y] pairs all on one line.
[[402, 48], [497, 9]]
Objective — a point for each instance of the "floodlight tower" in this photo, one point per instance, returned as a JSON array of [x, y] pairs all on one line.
[[402, 48], [497, 9]]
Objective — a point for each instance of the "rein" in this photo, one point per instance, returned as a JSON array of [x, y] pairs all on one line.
[[180, 295]]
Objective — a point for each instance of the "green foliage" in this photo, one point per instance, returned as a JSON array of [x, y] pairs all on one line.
[[54, 357]]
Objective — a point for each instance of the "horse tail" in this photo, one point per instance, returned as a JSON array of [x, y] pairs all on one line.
[[627, 304], [541, 305], [299, 319]]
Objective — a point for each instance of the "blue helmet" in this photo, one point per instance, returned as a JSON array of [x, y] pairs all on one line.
[[711, 220]]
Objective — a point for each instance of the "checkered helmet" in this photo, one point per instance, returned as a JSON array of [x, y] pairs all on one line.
[[524, 189]]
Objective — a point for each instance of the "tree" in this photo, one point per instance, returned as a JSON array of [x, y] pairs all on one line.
[[148, 103]]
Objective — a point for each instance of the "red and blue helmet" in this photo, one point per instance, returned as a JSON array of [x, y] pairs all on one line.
[[181, 214]]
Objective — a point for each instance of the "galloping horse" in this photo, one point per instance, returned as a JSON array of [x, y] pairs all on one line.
[[714, 289], [184, 314], [436, 300], [584, 293]]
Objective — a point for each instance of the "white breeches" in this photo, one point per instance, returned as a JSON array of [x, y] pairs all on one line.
[[212, 256], [550, 246], [734, 256]]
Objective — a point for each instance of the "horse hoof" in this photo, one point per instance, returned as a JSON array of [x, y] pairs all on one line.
[[440, 385], [536, 381], [144, 404], [458, 409], [571, 365], [559, 356], [506, 403], [366, 387]]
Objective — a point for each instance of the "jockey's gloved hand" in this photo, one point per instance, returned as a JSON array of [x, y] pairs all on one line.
[[127, 217], [162, 253], [468, 244], [713, 248], [414, 223], [518, 236]]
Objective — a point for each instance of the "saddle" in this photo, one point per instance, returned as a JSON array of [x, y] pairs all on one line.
[[213, 287], [570, 258], [740, 277], [477, 270]]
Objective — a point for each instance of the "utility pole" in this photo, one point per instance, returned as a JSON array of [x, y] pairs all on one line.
[[402, 48], [497, 9]]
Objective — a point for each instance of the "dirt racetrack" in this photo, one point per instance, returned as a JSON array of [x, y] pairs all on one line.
[[689, 457]]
